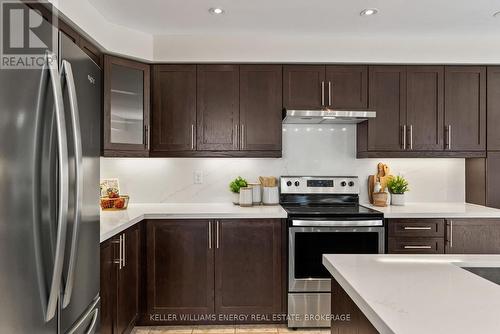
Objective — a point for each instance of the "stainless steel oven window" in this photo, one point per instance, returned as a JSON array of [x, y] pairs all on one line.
[[320, 284]]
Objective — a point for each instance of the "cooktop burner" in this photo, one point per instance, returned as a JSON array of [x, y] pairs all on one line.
[[323, 197], [355, 211]]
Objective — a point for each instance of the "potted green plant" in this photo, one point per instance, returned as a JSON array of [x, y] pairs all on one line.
[[398, 186], [235, 186]]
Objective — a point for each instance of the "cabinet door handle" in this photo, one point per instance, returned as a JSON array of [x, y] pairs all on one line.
[[403, 137], [451, 234], [209, 235], [123, 252], [242, 134], [448, 137], [192, 136], [329, 93], [217, 234], [417, 228], [119, 260], [411, 137], [417, 247], [146, 136], [322, 93]]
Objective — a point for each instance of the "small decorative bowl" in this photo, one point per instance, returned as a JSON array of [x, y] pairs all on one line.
[[118, 203]]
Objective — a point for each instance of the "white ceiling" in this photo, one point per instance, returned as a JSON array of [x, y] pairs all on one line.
[[305, 17]]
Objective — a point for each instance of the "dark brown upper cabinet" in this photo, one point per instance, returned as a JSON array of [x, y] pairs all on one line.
[[493, 108], [218, 120], [425, 108], [425, 111], [174, 108], [260, 107], [318, 86], [303, 86], [248, 267], [126, 107], [346, 87], [465, 108], [387, 96]]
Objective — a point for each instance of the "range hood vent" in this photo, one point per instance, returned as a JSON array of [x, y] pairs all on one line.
[[326, 116]]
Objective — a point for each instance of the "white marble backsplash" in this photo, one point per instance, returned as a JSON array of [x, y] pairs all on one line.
[[307, 150]]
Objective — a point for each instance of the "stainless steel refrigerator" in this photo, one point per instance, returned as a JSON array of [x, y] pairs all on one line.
[[49, 191]]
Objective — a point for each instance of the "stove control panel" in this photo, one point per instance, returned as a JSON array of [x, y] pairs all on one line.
[[319, 185]]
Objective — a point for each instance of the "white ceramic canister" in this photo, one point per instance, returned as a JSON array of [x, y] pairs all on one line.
[[246, 196], [256, 193], [270, 196]]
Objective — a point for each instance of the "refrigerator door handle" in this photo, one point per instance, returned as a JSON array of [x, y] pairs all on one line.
[[67, 75], [49, 303]]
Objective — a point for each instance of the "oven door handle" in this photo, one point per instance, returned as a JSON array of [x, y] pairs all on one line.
[[337, 223]]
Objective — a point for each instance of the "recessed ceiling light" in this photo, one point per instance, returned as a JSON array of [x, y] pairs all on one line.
[[216, 11], [369, 12], [497, 14]]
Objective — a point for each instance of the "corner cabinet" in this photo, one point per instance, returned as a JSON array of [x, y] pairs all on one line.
[[120, 282], [126, 107], [207, 271], [217, 111]]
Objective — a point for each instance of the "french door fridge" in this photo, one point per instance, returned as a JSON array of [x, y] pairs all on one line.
[[49, 190]]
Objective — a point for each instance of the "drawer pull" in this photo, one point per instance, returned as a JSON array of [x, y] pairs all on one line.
[[417, 228], [417, 247]]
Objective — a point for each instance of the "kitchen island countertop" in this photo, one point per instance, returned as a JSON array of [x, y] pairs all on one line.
[[414, 294], [114, 222], [437, 210]]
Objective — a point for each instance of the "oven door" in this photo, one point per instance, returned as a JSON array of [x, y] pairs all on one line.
[[310, 239]]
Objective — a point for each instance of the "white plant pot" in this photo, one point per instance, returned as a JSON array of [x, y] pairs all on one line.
[[236, 198], [398, 199]]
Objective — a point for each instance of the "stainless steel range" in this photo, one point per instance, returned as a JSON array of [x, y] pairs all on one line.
[[324, 217]]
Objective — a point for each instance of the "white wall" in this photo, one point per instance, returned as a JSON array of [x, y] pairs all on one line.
[[327, 49], [308, 150]]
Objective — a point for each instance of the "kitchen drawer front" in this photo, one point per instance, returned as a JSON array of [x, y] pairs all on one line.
[[416, 227], [416, 246]]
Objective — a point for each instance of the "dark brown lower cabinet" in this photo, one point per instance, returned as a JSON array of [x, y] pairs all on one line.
[[342, 307], [180, 271], [248, 268], [415, 236], [108, 287], [473, 236], [120, 280], [207, 271]]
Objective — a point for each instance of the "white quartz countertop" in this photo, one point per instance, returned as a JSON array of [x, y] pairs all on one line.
[[437, 210], [114, 222], [415, 294]]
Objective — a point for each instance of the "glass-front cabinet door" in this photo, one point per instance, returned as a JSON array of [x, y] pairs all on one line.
[[126, 107]]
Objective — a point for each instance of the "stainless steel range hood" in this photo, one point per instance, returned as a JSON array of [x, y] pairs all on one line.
[[326, 116]]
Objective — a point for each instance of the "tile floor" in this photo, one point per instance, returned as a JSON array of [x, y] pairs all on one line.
[[224, 329]]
